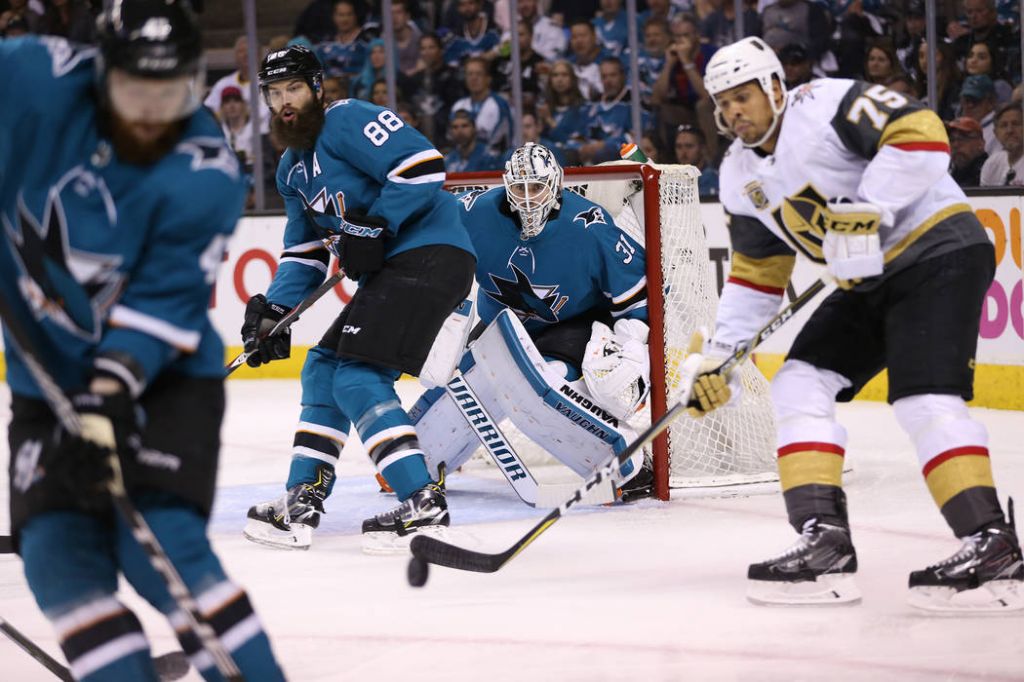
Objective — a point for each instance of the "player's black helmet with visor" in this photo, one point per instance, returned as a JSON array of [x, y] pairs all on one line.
[[294, 61], [151, 59]]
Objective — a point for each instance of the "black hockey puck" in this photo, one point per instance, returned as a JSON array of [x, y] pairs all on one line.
[[417, 572]]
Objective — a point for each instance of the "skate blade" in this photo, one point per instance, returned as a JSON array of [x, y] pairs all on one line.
[[391, 544], [300, 537], [827, 590], [993, 597]]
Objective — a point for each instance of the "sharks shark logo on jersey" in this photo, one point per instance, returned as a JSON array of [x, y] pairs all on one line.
[[469, 198], [527, 300], [71, 287], [210, 153], [591, 216]]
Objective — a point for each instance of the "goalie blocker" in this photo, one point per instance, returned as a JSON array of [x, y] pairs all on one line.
[[512, 379]]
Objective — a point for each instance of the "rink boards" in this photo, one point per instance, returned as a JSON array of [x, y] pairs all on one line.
[[252, 259]]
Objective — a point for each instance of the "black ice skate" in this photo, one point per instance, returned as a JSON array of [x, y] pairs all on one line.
[[288, 521], [426, 510], [818, 569], [985, 576], [640, 486]]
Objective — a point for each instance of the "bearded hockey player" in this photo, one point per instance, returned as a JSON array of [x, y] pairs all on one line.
[[356, 175], [549, 357], [854, 176], [117, 197]]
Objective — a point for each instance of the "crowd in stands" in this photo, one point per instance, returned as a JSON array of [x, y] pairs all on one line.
[[454, 71]]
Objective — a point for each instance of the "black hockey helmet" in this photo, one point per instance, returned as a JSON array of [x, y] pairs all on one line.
[[294, 61], [148, 41], [150, 38]]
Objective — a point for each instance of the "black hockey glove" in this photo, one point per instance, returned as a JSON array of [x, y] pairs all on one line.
[[361, 246], [82, 463], [260, 317]]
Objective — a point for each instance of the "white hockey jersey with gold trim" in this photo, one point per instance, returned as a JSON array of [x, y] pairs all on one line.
[[845, 138]]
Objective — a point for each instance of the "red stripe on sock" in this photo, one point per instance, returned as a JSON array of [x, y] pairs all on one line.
[[804, 447], [943, 457]]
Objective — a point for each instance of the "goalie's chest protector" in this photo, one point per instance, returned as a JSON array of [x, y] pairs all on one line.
[[550, 278], [786, 190]]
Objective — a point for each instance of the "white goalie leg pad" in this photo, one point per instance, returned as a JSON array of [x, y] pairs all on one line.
[[558, 415], [448, 347], [617, 366], [804, 397], [444, 434]]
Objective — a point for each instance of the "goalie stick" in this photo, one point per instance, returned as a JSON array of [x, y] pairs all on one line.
[[435, 551], [170, 666], [289, 318], [143, 534]]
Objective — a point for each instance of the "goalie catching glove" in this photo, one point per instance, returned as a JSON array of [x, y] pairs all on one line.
[[617, 367], [851, 245], [711, 389]]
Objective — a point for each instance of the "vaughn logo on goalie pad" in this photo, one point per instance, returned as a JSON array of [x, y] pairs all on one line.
[[590, 406]]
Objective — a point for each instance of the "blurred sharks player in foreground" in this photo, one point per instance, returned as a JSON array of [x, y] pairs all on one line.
[[359, 176], [117, 196], [913, 264], [555, 274]]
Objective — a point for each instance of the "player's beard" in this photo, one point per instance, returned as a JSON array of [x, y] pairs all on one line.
[[143, 148], [302, 132]]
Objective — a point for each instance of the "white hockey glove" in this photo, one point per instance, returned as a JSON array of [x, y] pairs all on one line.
[[851, 245], [710, 389], [617, 367]]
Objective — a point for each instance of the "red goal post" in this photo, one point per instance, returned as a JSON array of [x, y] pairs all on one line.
[[659, 207]]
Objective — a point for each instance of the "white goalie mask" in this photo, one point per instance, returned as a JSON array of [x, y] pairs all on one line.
[[747, 60], [533, 184]]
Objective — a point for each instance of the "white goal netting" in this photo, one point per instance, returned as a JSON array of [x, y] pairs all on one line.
[[659, 207]]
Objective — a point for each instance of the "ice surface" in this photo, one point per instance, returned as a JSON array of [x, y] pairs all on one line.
[[648, 592]]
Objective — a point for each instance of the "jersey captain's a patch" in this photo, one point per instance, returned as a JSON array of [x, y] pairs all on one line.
[[591, 216], [527, 300]]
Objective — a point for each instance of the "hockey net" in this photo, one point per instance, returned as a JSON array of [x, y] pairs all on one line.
[[659, 207]]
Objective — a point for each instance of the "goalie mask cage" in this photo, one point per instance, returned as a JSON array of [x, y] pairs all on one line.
[[659, 207]]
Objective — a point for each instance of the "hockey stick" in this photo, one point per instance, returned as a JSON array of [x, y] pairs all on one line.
[[289, 318], [434, 551], [170, 666], [36, 652], [141, 531], [492, 438]]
